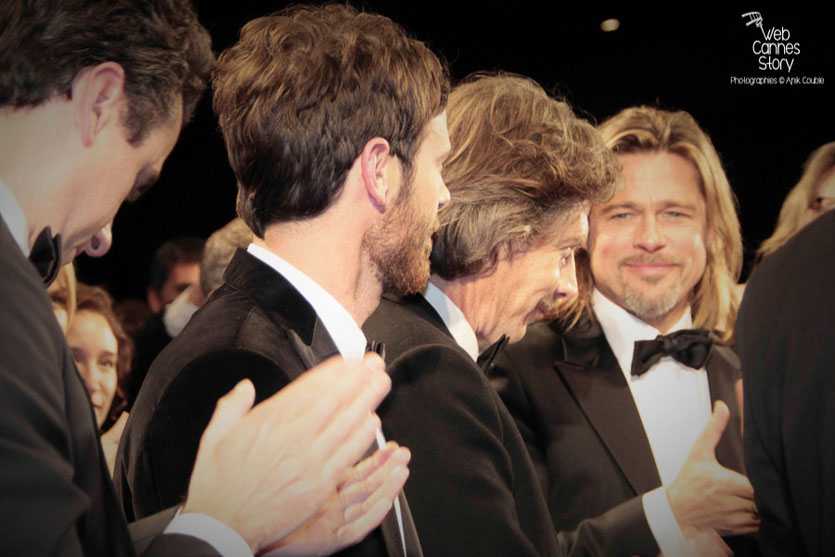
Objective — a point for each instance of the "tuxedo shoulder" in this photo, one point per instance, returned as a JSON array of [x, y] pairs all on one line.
[[228, 339], [728, 354], [230, 321], [542, 342], [403, 324]]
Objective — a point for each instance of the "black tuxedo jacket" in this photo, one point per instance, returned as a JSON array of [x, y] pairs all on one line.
[[148, 343], [255, 326], [786, 337], [576, 413], [472, 487], [57, 498]]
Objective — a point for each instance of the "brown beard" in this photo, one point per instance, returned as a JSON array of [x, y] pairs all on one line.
[[399, 246]]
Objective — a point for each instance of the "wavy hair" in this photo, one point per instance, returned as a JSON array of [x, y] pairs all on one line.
[[304, 90], [521, 161], [97, 300], [165, 52]]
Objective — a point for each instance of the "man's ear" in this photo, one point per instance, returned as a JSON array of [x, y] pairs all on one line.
[[97, 93], [377, 164]]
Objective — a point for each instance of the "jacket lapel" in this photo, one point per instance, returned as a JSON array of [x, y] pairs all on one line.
[[284, 305], [723, 371], [592, 374]]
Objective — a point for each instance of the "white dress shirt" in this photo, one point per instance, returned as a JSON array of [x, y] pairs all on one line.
[[15, 219], [454, 320], [346, 334], [177, 313], [673, 401], [224, 539]]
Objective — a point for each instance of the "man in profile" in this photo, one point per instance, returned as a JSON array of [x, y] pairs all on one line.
[[521, 174], [335, 127], [614, 398], [92, 98]]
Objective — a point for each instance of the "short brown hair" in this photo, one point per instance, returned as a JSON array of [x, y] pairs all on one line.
[[304, 90], [97, 300], [643, 129], [520, 162], [165, 52]]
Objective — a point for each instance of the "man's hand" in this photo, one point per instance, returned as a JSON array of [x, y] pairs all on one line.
[[264, 471], [704, 543], [705, 495], [359, 504]]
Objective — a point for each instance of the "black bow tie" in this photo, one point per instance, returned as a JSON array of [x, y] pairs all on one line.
[[378, 347], [46, 255], [691, 347], [485, 359]]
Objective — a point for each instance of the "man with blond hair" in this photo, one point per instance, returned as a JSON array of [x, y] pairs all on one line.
[[614, 397]]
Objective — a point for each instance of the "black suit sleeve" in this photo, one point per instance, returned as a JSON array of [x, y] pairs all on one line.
[[460, 474], [157, 466], [786, 338], [41, 504], [622, 529]]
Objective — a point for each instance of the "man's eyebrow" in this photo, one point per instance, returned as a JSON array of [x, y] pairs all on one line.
[[140, 187], [573, 242], [679, 204], [618, 206]]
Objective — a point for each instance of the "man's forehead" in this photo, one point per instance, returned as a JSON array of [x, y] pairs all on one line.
[[657, 176], [436, 131], [571, 229]]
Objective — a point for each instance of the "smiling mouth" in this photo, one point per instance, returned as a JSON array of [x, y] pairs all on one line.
[[650, 268]]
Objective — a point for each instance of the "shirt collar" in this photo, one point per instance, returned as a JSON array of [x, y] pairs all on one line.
[[346, 334], [622, 328], [15, 219], [178, 312], [454, 319]]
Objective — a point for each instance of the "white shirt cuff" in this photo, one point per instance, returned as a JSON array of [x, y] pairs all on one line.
[[224, 539], [663, 523]]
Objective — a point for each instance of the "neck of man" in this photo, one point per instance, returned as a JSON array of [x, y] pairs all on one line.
[[471, 296], [328, 249], [663, 323], [32, 141]]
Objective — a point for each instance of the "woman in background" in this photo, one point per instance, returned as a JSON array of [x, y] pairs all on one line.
[[103, 354], [812, 196]]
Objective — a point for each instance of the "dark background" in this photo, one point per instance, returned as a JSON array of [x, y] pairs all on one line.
[[672, 57]]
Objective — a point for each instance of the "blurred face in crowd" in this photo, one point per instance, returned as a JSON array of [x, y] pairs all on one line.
[[400, 242], [95, 350], [523, 288], [180, 276], [647, 245]]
